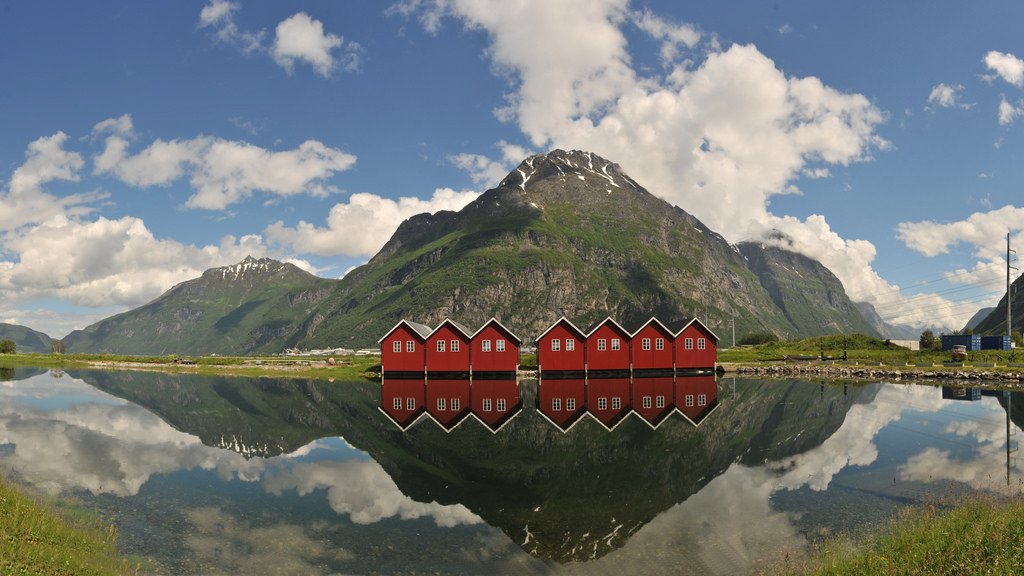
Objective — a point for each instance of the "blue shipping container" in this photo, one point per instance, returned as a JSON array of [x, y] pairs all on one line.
[[995, 342], [971, 341]]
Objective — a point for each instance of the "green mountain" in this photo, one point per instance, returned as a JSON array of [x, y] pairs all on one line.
[[566, 233], [980, 315], [995, 322], [26, 339], [245, 308]]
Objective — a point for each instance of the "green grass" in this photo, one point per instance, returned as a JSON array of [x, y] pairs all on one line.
[[981, 535], [37, 540]]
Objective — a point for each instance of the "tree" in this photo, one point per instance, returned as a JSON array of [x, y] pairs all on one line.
[[927, 340], [57, 347], [8, 347]]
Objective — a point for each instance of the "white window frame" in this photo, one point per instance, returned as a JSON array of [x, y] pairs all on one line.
[[701, 343], [410, 403], [499, 345], [501, 404], [485, 345], [659, 343], [441, 405], [602, 344], [396, 346], [556, 345], [487, 404], [702, 400], [659, 401], [410, 345], [645, 344], [455, 404], [556, 404], [602, 403], [616, 402], [440, 345], [689, 400], [455, 346], [647, 402], [688, 343], [570, 404], [397, 403], [570, 344], [616, 344]]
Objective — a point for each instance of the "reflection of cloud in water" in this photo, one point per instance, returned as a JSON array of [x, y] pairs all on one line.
[[222, 544], [364, 491]]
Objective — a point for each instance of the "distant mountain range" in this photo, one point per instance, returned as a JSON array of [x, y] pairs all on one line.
[[565, 233], [25, 339]]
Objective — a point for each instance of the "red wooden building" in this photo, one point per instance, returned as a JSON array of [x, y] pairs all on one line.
[[653, 399], [448, 348], [561, 348], [696, 347], [402, 348], [696, 397], [402, 400], [607, 347], [652, 347], [608, 400], [447, 401], [495, 402], [494, 348], [561, 401]]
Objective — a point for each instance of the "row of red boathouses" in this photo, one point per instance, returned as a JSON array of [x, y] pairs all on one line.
[[561, 401], [411, 347]]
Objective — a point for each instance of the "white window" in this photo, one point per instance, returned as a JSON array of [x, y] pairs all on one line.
[[440, 345], [659, 343], [485, 346], [645, 343], [499, 345], [556, 345], [602, 403], [701, 343], [397, 404], [410, 403], [487, 404], [455, 404], [501, 404], [570, 344], [647, 401], [556, 404], [659, 401], [455, 346], [602, 344], [396, 346], [688, 343], [616, 403], [702, 400], [570, 404], [440, 404], [616, 344], [410, 345], [689, 399]]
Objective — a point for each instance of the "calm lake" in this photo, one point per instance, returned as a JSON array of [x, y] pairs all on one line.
[[261, 476]]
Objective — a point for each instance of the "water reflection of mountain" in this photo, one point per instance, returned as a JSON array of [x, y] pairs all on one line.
[[9, 373], [563, 496]]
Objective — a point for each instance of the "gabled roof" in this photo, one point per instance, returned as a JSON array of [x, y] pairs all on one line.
[[702, 325], [421, 329], [653, 320], [605, 321], [559, 321], [465, 331], [503, 328]]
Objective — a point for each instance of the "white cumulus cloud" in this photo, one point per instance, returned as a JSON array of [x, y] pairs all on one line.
[[1006, 66], [301, 38], [947, 96]]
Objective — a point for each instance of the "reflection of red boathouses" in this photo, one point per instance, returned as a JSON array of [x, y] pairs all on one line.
[[652, 399], [562, 401], [696, 397], [402, 400], [447, 401], [495, 402], [608, 400]]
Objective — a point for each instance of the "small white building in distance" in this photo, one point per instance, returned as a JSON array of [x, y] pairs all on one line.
[[908, 344]]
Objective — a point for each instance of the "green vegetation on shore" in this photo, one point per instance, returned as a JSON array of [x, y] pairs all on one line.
[[977, 536], [37, 540], [316, 367]]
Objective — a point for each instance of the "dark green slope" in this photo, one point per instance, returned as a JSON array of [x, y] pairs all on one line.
[[26, 339], [995, 322], [249, 307], [811, 297], [565, 233]]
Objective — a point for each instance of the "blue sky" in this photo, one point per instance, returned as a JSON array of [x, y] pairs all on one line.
[[146, 142]]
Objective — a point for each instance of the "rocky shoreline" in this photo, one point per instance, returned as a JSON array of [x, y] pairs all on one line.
[[962, 375]]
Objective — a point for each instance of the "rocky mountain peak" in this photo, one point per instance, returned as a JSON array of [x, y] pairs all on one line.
[[252, 268], [584, 166]]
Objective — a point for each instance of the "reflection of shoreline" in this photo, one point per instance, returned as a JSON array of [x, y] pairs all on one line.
[[873, 373]]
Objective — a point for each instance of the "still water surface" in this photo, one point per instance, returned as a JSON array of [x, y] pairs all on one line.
[[261, 476]]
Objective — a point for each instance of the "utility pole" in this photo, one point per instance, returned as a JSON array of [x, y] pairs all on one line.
[[732, 323], [1009, 332]]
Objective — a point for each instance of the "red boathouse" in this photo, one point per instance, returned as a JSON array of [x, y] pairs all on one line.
[[495, 402], [696, 347], [653, 399], [402, 400], [652, 347], [447, 401], [561, 348], [494, 348], [402, 348], [608, 400], [561, 401], [448, 348], [607, 347]]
